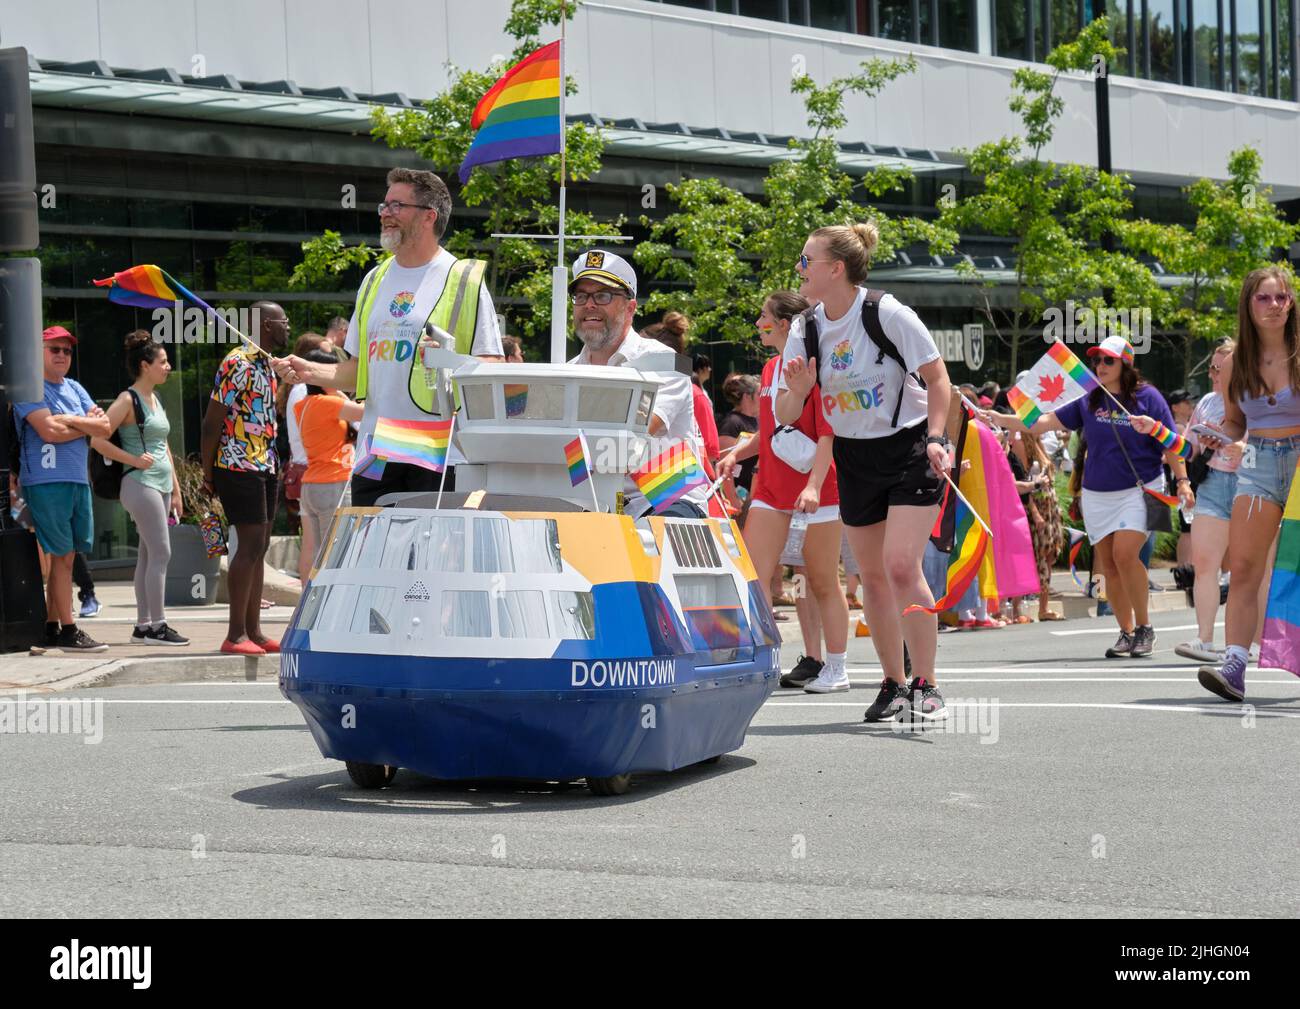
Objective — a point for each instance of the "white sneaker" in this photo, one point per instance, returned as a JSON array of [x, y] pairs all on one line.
[[828, 682], [1199, 651]]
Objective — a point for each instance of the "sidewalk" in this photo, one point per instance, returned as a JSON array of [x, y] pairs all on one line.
[[125, 662]]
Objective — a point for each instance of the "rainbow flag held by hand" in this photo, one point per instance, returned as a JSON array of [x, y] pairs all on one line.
[[970, 544], [575, 457], [669, 476], [415, 442], [1172, 440], [148, 287], [1058, 378], [1280, 646], [519, 116]]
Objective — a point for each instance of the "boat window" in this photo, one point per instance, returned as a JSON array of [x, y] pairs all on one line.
[[574, 615], [311, 607], [706, 590], [336, 612], [374, 610], [643, 408], [444, 544], [477, 400], [525, 546], [603, 404], [343, 532], [465, 615], [401, 544], [522, 615], [534, 401]]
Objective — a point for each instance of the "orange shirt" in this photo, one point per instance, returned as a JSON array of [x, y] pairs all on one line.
[[325, 439]]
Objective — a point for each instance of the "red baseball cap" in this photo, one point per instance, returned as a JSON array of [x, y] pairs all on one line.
[[59, 333]]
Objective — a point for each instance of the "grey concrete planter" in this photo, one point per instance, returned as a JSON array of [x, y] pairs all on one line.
[[191, 574]]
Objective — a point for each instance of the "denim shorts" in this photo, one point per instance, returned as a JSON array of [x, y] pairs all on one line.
[[1274, 466], [1214, 495]]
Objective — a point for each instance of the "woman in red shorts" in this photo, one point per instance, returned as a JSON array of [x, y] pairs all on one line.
[[780, 490]]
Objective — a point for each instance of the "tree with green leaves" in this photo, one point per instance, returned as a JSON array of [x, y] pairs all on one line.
[[1237, 229], [518, 195], [738, 249], [1054, 214]]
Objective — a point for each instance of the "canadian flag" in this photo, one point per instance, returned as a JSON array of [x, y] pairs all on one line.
[[1058, 378]]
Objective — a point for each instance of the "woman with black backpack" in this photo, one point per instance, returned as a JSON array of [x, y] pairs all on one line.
[[150, 492], [885, 391]]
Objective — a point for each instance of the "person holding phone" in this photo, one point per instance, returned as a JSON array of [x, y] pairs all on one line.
[[151, 494]]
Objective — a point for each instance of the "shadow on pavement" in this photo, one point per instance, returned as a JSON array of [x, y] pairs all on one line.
[[412, 792]]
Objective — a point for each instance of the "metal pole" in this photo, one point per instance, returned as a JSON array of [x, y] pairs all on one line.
[[559, 275]]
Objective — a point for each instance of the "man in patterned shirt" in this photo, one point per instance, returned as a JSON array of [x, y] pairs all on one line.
[[240, 465]]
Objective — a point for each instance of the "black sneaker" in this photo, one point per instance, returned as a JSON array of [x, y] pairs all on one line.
[[77, 640], [804, 672], [890, 703], [1144, 639], [925, 700], [164, 635], [1122, 647], [140, 636]]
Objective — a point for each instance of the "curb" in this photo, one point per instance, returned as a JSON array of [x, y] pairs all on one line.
[[144, 672]]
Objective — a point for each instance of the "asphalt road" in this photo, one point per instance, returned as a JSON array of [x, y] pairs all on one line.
[[1070, 786]]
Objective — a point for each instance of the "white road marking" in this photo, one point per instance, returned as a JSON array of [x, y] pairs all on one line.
[[1114, 627], [1199, 709]]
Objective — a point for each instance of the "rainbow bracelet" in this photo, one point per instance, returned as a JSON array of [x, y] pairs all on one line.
[[1172, 440]]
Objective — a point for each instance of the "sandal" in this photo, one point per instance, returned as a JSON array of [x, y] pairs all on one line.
[[1024, 618], [1050, 615]]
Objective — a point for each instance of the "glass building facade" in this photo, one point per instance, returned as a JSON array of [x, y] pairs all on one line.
[[1247, 47]]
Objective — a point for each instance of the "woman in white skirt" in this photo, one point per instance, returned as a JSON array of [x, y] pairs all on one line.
[[1122, 464]]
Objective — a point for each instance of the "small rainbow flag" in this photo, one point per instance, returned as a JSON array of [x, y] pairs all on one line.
[[415, 442], [148, 287], [1168, 499], [964, 563], [1058, 378], [370, 466], [1280, 646], [519, 116], [516, 399], [575, 456], [1172, 440], [668, 476]]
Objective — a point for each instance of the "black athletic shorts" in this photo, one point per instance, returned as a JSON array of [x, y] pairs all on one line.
[[248, 497], [398, 477], [878, 473]]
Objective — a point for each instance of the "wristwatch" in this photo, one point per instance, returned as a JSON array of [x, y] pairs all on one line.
[[938, 439]]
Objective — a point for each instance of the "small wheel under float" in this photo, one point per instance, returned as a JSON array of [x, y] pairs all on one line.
[[370, 775], [614, 785]]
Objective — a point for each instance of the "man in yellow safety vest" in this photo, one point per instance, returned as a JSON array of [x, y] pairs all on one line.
[[421, 283]]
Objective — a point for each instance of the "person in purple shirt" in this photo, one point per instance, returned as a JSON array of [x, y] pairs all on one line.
[[1122, 465], [53, 468]]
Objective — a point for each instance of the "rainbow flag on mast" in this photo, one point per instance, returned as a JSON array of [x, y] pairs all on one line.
[[1058, 378], [970, 544], [416, 442], [669, 476], [1280, 646], [519, 116]]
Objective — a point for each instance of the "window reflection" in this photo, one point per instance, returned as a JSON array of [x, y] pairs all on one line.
[[477, 400], [373, 610], [522, 615], [465, 615], [574, 614], [524, 546], [600, 403]]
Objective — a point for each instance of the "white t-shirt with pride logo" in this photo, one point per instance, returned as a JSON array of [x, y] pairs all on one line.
[[857, 394]]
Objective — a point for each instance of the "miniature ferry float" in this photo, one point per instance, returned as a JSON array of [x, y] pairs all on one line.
[[524, 629]]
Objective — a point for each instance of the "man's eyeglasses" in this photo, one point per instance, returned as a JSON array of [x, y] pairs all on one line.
[[599, 297], [1264, 300], [396, 207], [60, 350]]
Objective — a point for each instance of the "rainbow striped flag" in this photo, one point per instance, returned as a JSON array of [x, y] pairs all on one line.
[[575, 457], [148, 287], [1172, 440], [1058, 378], [668, 476], [415, 442], [516, 399], [970, 544], [519, 116], [1280, 646]]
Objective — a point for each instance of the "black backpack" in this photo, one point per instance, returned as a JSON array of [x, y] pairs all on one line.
[[885, 346], [106, 474]]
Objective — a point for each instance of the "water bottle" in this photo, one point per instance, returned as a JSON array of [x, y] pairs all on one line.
[[798, 521]]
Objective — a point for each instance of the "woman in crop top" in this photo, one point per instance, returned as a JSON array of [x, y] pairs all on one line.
[[1263, 400], [779, 490], [890, 448]]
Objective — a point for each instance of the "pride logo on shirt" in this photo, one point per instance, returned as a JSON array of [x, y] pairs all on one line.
[[842, 355], [401, 304], [852, 400]]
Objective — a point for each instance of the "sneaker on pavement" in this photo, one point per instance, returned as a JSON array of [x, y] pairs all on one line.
[[804, 671], [828, 681], [79, 641], [1199, 651], [164, 635], [89, 607], [1227, 680], [1144, 640], [1122, 647], [140, 635], [890, 703], [926, 700]]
